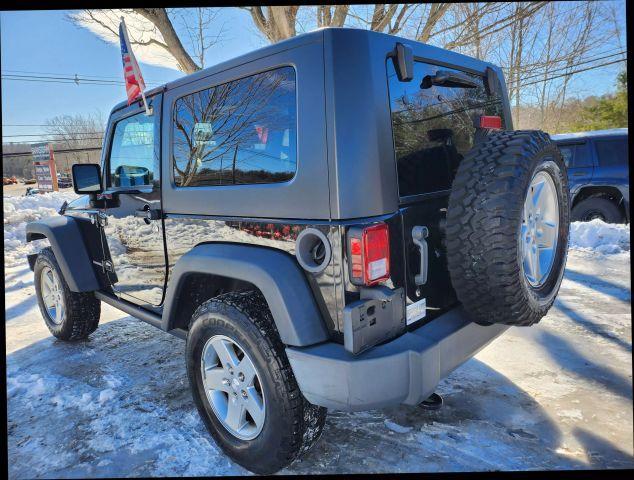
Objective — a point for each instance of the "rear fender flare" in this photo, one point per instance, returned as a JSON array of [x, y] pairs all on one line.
[[275, 273]]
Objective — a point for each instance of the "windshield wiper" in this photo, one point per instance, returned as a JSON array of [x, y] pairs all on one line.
[[445, 78]]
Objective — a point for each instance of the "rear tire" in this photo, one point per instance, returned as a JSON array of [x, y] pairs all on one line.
[[486, 228], [76, 315], [291, 424], [596, 207]]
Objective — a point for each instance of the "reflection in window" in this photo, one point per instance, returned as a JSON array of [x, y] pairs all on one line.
[[435, 127], [237, 133], [132, 160]]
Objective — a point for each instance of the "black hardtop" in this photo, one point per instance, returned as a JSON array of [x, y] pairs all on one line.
[[318, 35]]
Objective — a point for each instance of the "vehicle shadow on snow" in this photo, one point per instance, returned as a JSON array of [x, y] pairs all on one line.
[[571, 359], [591, 326], [599, 284], [119, 404], [22, 307], [486, 423]]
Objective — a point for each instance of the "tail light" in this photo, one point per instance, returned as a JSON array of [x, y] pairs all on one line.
[[369, 254], [493, 122]]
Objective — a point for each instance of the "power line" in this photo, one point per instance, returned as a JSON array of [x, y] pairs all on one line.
[[39, 125], [559, 69], [67, 150], [102, 77], [573, 72], [51, 134], [77, 80]]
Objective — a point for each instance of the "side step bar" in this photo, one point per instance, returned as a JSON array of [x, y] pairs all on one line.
[[131, 309]]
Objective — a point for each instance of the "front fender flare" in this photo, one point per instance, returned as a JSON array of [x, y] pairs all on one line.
[[67, 242], [274, 272]]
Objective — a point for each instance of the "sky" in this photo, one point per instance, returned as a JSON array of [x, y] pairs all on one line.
[[47, 41]]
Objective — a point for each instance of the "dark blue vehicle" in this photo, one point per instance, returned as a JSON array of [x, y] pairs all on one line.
[[598, 174]]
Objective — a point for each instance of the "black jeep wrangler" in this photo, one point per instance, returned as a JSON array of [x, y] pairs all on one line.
[[335, 221]]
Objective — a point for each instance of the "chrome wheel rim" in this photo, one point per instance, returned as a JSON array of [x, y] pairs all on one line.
[[52, 295], [540, 229], [233, 387]]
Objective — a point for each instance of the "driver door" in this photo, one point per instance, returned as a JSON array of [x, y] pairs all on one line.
[[132, 225]]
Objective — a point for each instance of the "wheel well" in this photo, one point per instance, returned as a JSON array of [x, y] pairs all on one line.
[[609, 193], [200, 287]]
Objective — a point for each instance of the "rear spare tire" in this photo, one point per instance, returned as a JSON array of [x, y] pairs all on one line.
[[507, 228]]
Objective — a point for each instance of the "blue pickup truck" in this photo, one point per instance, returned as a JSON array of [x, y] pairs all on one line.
[[598, 174]]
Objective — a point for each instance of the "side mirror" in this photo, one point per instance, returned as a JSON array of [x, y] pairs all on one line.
[[87, 178], [404, 62]]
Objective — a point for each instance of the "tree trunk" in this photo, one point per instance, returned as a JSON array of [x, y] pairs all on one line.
[[158, 16]]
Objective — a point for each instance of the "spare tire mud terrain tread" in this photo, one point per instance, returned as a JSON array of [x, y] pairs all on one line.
[[484, 220]]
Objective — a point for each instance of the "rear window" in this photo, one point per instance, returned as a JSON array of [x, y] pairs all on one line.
[[612, 152], [435, 127]]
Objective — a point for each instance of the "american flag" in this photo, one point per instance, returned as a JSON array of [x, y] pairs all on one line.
[[134, 84]]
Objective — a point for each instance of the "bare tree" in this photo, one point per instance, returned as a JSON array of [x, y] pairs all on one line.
[[76, 131], [276, 23], [198, 23], [152, 29]]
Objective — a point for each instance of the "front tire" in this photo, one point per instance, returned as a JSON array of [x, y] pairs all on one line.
[[68, 315], [233, 341]]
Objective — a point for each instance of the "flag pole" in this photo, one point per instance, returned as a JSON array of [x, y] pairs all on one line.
[[148, 110]]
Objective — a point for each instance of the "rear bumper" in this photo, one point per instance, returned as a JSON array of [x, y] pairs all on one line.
[[405, 370]]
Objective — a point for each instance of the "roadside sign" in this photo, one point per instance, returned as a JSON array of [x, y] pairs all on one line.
[[44, 166]]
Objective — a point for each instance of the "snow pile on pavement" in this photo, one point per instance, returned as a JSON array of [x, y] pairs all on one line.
[[605, 238], [18, 211]]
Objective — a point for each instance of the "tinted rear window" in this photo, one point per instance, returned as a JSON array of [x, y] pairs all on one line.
[[434, 127], [612, 152]]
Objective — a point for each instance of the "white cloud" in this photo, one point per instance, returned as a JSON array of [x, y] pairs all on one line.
[[105, 24]]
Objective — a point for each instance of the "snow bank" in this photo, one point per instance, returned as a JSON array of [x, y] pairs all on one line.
[[605, 238], [18, 211]]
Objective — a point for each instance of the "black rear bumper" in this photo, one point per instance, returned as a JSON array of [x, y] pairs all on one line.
[[405, 370]]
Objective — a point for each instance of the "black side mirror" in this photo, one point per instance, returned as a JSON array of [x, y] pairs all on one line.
[[87, 178], [404, 62]]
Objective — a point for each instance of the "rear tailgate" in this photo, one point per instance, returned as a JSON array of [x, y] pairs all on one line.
[[433, 128]]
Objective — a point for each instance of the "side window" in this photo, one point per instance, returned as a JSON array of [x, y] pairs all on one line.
[[566, 153], [133, 160], [612, 152], [576, 155], [241, 132]]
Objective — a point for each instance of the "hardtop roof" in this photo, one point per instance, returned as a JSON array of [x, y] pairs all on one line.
[[293, 42]]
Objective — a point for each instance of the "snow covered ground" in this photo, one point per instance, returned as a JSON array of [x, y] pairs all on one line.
[[553, 396]]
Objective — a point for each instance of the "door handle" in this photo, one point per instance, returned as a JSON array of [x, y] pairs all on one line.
[[148, 213], [579, 174], [99, 218], [419, 234]]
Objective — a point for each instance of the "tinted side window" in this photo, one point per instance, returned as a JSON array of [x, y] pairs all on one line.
[[240, 132], [567, 153], [434, 127], [133, 160], [612, 152], [576, 155]]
